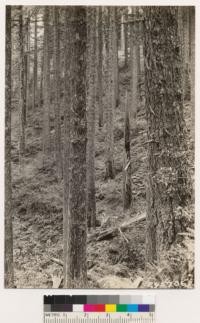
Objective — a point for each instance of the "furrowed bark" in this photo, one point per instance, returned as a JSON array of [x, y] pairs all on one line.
[[8, 252], [168, 186], [91, 81]]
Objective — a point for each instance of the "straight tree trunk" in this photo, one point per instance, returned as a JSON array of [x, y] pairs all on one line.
[[138, 40], [58, 152], [122, 33], [76, 271], [126, 37], [46, 86], [35, 67], [168, 187], [91, 78], [115, 49], [22, 100], [181, 33], [186, 50], [134, 69], [127, 187], [110, 95], [66, 159], [28, 62], [100, 67], [41, 69], [192, 27], [8, 253], [41, 78]]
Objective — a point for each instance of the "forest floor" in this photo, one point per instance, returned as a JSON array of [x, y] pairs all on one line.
[[114, 261]]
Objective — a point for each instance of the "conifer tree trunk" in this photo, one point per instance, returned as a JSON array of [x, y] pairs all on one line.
[[168, 187], [22, 100], [111, 102], [91, 78], [28, 62], [100, 67], [134, 69], [115, 49], [41, 68], [181, 27], [35, 66], [57, 92], [138, 41], [66, 156], [8, 253], [122, 42], [127, 187], [46, 85], [192, 59], [76, 271], [186, 50], [41, 78], [126, 37]]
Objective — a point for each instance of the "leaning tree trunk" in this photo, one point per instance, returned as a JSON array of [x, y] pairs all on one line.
[[8, 254], [22, 100], [127, 187], [76, 271], [46, 86], [168, 187], [58, 152], [91, 84]]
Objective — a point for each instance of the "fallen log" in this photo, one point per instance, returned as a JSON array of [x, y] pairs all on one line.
[[111, 233]]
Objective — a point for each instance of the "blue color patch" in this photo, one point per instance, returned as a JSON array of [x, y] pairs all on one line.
[[132, 308]]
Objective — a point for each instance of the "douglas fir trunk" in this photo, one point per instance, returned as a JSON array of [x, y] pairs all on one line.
[[168, 188], [76, 271], [9, 275]]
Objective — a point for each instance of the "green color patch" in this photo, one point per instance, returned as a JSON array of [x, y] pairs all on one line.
[[121, 308]]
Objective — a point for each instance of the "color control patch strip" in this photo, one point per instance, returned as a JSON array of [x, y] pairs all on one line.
[[99, 304]]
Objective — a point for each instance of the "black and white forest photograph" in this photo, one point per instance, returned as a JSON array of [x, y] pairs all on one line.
[[99, 147]]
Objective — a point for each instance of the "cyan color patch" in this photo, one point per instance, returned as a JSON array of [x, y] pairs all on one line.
[[132, 308]]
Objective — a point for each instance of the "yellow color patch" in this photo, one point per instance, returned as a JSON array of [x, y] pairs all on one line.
[[110, 308]]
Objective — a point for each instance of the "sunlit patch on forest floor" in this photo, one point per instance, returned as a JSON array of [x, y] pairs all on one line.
[[116, 261]]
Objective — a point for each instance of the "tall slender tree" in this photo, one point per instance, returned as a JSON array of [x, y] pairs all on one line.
[[110, 96], [125, 21], [192, 60], [66, 156], [100, 66], [91, 84], [58, 152], [9, 268], [46, 85], [28, 31], [115, 62], [76, 271], [22, 100], [168, 187], [35, 66], [134, 68]]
